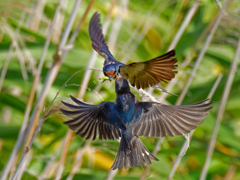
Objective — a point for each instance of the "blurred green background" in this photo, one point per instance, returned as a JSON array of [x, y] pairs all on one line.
[[156, 23]]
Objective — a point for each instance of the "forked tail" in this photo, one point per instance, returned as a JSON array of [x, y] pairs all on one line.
[[132, 152]]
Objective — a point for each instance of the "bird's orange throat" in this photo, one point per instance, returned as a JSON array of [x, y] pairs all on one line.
[[110, 73]]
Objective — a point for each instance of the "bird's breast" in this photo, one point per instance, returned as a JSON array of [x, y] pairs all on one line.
[[125, 101], [125, 108]]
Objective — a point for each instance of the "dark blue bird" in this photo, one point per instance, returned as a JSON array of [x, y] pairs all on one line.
[[140, 74], [129, 118]]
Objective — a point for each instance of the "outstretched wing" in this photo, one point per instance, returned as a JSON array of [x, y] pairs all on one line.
[[96, 35], [158, 120], [151, 72], [90, 120]]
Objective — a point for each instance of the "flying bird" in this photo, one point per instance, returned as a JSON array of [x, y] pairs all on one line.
[[127, 118], [140, 74]]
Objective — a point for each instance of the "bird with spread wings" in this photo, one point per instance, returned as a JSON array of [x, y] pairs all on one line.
[[129, 118], [140, 74]]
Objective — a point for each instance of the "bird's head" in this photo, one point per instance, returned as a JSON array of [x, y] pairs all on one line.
[[110, 70], [121, 85]]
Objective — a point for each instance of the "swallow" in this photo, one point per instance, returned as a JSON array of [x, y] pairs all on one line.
[[140, 74], [128, 118]]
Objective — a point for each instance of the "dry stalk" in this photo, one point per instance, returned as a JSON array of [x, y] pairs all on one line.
[[69, 25], [35, 19], [184, 24], [70, 133], [31, 11], [226, 92], [11, 160], [25, 164], [48, 112], [50, 163], [111, 174], [54, 70], [51, 76], [67, 142], [5, 67], [140, 24], [23, 159], [13, 168], [137, 41], [231, 172], [219, 4], [30, 60], [180, 155], [75, 33], [116, 26], [202, 53], [21, 61], [59, 23], [29, 104], [11, 48], [78, 160]]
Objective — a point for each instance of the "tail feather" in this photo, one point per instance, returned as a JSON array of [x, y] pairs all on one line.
[[132, 154]]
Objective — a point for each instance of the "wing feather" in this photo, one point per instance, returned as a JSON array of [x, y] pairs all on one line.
[[158, 120], [152, 71], [90, 120], [97, 38]]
